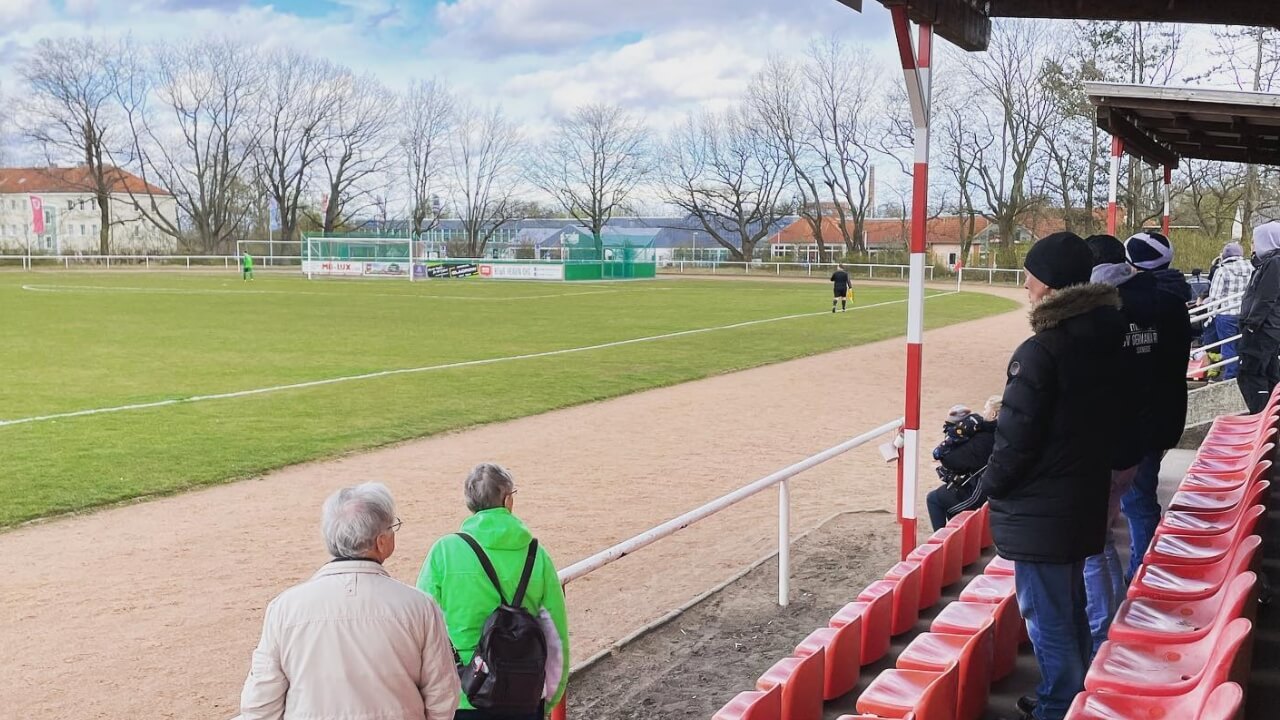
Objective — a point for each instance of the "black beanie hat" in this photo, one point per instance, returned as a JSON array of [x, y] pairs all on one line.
[[1106, 249], [1060, 260]]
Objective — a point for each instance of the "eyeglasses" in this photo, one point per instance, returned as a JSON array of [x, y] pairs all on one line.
[[395, 526]]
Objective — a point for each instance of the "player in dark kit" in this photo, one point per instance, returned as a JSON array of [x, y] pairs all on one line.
[[840, 279]]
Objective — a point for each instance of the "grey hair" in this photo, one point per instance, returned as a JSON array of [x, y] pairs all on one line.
[[487, 487], [354, 518]]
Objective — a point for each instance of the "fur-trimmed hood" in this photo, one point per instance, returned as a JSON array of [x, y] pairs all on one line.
[[1069, 302]]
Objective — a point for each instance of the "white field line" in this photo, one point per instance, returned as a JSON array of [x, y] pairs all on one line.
[[216, 291], [432, 368]]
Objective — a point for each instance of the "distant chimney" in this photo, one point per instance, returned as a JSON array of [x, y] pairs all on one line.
[[871, 192]]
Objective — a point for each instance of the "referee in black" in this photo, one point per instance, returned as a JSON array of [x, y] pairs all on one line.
[[840, 279]]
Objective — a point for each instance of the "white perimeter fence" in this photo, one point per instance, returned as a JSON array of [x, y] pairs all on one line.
[[870, 271]]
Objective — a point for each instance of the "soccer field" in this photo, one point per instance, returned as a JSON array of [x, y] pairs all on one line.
[[124, 385]]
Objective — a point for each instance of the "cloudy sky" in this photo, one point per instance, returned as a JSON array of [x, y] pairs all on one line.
[[538, 56]]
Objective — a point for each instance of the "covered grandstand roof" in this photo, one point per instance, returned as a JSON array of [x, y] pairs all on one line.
[[1163, 124], [967, 23]]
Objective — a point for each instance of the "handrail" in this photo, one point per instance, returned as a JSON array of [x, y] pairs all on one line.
[[648, 537], [1220, 343], [1205, 308]]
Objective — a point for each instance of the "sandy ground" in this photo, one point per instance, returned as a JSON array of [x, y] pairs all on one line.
[[151, 610]]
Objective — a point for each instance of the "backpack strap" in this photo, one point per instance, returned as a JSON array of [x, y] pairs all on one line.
[[488, 566], [529, 561]]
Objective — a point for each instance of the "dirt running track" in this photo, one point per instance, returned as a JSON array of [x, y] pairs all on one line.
[[151, 610]]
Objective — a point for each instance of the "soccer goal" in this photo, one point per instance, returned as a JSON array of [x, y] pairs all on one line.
[[333, 255]]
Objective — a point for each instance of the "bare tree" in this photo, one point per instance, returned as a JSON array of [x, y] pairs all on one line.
[[357, 148], [191, 131], [71, 114], [1011, 114], [291, 122], [592, 164], [777, 100], [427, 116], [729, 176], [485, 149], [842, 83]]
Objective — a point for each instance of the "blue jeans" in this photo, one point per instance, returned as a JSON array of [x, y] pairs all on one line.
[[1051, 598], [1103, 574], [1225, 326], [1142, 509]]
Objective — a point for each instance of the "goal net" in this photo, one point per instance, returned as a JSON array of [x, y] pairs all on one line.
[[358, 256]]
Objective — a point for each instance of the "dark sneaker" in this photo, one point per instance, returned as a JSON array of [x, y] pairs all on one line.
[[1027, 705]]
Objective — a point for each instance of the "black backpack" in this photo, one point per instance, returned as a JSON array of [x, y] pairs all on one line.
[[507, 673]]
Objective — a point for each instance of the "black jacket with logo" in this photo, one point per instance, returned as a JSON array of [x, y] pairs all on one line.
[[1050, 472], [1154, 374]]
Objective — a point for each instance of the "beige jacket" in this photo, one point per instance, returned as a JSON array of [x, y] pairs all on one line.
[[352, 643]]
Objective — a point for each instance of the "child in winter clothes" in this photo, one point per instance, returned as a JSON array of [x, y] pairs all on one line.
[[968, 439]]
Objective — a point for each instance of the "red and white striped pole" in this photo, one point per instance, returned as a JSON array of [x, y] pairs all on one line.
[[1113, 205], [916, 67], [1168, 189]]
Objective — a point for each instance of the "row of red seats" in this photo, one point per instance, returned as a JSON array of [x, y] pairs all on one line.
[[1179, 646], [828, 663]]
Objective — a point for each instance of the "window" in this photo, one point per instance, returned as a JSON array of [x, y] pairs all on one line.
[[71, 204], [952, 259], [93, 229], [82, 232], [48, 242]]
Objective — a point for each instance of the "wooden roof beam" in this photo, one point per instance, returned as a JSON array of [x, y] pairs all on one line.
[[1137, 141]]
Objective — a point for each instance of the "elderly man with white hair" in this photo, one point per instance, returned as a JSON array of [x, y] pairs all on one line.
[[352, 642]]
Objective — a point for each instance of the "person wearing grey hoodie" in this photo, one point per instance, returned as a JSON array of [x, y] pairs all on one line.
[[1259, 345]]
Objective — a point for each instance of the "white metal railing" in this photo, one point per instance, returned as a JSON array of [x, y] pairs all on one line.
[[66, 262], [1204, 310], [1201, 371], [626, 547], [1211, 346], [586, 566]]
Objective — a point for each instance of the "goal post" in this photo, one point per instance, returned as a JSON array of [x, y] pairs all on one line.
[[359, 255]]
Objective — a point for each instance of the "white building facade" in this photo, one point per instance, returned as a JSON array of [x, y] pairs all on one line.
[[72, 219]]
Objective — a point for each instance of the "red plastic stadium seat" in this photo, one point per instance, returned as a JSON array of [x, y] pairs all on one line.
[[970, 618], [843, 649], [1228, 466], [904, 616], [1256, 447], [753, 705], [1203, 703], [1171, 548], [906, 595], [987, 540], [900, 693], [970, 523], [952, 542], [1175, 621], [1216, 501], [999, 566], [1185, 522], [1174, 669], [1193, 582], [972, 656], [908, 716], [801, 681], [931, 558], [876, 617], [998, 590]]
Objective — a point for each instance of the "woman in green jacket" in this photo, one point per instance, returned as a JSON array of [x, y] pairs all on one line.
[[453, 576]]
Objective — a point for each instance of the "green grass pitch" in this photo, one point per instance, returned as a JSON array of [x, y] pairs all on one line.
[[75, 342]]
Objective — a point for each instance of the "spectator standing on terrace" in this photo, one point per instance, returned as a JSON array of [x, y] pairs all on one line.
[[454, 575], [1049, 475], [352, 641], [1260, 321], [1151, 253], [1152, 371], [1231, 279]]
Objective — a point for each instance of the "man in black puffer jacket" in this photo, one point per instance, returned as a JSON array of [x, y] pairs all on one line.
[[1153, 371], [1050, 473], [1260, 321]]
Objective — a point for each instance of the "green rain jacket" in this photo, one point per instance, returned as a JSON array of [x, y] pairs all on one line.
[[453, 576]]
